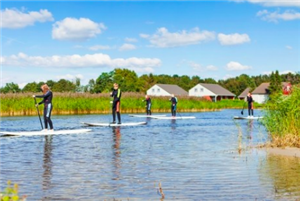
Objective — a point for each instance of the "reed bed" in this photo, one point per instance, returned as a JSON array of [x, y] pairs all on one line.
[[85, 103], [282, 119]]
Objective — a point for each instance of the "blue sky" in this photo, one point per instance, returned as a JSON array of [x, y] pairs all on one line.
[[43, 41]]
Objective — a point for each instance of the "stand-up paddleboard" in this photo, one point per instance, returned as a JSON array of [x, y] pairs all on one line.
[[111, 125], [147, 116], [55, 132], [248, 117], [177, 117]]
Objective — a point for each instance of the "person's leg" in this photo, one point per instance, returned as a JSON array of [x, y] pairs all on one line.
[[118, 112], [175, 111], [252, 112], [45, 118], [249, 108], [114, 113], [49, 110]]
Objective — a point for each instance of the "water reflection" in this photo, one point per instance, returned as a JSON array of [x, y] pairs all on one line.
[[116, 152], [249, 128], [47, 164], [173, 124], [284, 172]]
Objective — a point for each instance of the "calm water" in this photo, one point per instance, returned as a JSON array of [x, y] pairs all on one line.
[[207, 158]]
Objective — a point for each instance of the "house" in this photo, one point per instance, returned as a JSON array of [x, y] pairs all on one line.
[[243, 95], [261, 93], [214, 91], [166, 90]]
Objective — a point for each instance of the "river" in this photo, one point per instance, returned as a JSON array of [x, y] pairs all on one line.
[[211, 157]]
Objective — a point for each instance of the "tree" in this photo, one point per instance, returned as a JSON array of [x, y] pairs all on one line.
[[31, 87], [90, 87], [145, 82], [64, 86], [184, 82], [126, 79], [275, 84], [209, 81], [104, 82], [10, 88]]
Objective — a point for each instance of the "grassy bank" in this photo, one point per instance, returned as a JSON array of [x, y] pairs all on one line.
[[86, 103], [282, 119]]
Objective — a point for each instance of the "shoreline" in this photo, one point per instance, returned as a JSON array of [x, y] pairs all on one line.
[[286, 151]]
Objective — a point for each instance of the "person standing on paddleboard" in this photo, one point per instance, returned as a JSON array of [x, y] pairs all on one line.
[[148, 104], [116, 94], [173, 105], [47, 101], [250, 104]]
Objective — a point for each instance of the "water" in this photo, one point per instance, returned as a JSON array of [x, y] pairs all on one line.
[[207, 158]]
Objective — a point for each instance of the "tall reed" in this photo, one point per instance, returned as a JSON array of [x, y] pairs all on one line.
[[86, 103], [282, 118]]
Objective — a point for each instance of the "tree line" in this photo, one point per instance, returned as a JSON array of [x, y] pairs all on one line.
[[129, 81]]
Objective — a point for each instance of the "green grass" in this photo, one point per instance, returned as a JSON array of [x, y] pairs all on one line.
[[282, 118], [86, 103]]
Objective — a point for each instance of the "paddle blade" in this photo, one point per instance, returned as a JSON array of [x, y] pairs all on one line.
[[242, 112]]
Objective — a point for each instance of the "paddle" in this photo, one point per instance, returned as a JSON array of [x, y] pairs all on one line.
[[38, 112]]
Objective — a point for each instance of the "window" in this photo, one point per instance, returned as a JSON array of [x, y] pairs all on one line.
[[158, 90], [201, 89], [196, 90], [153, 90]]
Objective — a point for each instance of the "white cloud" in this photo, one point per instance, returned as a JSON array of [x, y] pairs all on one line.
[[163, 38], [199, 68], [275, 16], [131, 40], [289, 3], [14, 19], [212, 68], [236, 66], [69, 77], [78, 61], [288, 47], [144, 36], [227, 76], [99, 47], [76, 29], [233, 39], [126, 47]]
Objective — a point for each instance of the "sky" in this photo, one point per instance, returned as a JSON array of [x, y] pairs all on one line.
[[52, 40]]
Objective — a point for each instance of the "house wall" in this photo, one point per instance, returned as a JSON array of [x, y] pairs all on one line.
[[260, 98], [157, 91], [200, 91]]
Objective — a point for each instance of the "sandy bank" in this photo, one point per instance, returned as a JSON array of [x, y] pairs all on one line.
[[287, 151]]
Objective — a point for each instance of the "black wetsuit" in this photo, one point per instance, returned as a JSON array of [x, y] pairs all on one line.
[[250, 102], [148, 105], [173, 106], [116, 94], [47, 101]]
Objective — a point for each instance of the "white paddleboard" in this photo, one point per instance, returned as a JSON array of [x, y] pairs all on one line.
[[177, 117], [248, 117], [55, 132], [147, 116], [109, 124]]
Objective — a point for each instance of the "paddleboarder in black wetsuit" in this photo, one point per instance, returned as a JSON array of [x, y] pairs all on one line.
[[250, 104], [148, 104], [47, 101], [173, 105], [116, 94]]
